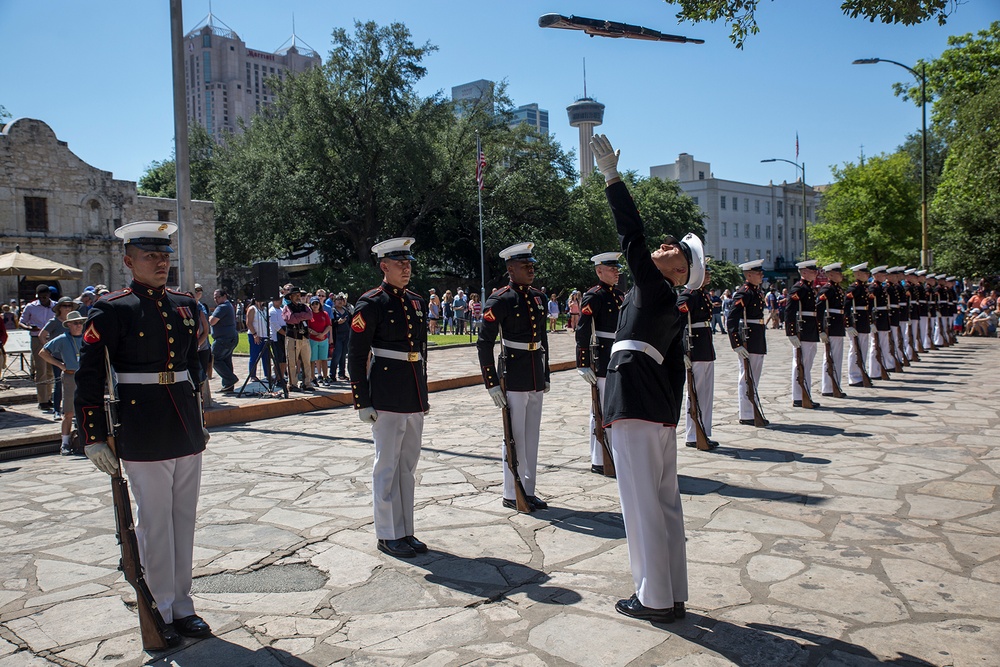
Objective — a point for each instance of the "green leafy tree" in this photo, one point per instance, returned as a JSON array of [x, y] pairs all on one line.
[[870, 213], [967, 204], [937, 151], [3, 112], [741, 14], [725, 275], [969, 66], [160, 179]]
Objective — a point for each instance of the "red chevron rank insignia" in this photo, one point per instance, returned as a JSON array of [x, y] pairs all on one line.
[[91, 336], [586, 310], [358, 323], [489, 316]]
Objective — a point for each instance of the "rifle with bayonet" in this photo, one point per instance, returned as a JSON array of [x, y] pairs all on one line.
[[151, 624], [521, 496], [758, 416], [694, 409], [800, 369], [595, 403]]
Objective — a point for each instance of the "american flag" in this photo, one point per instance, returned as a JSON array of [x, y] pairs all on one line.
[[796, 145], [480, 167]]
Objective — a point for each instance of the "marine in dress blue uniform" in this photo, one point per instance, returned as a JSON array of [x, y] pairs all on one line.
[[595, 331], [516, 315], [801, 326], [833, 325], [859, 317], [696, 305], [387, 362], [642, 407], [747, 333], [878, 305], [150, 335], [892, 292]]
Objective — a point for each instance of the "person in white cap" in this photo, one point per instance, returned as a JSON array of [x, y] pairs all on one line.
[[934, 322], [642, 407], [892, 291], [921, 290], [833, 327], [150, 335], [880, 359], [802, 329], [912, 323], [941, 323], [595, 334], [748, 335], [389, 327], [860, 319], [516, 314]]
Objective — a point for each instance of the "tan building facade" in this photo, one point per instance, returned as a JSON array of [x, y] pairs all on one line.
[[55, 205]]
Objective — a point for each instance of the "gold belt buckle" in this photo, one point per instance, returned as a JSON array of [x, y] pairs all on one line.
[[166, 377], [413, 356], [533, 346]]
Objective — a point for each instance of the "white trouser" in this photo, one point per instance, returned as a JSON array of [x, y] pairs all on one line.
[[862, 341], [756, 365], [939, 330], [808, 352], [704, 385], [397, 438], [837, 352], [875, 365], [925, 329], [596, 451], [904, 330], [897, 333], [166, 503], [646, 463], [525, 421]]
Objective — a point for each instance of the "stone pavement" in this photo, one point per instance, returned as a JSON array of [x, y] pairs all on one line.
[[861, 533]]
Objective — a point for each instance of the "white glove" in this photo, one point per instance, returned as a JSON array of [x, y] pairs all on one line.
[[496, 393], [588, 375], [547, 387], [101, 456], [742, 352], [687, 362], [606, 155], [823, 338], [368, 415], [852, 332], [794, 340]]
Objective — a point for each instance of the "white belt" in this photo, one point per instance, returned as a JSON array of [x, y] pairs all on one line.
[[700, 325], [166, 377], [638, 346], [893, 306], [514, 345], [922, 301], [807, 313], [881, 308], [761, 322], [860, 307], [605, 334], [398, 356], [835, 311]]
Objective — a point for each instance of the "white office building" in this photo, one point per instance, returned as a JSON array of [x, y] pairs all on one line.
[[744, 221], [533, 116], [225, 80]]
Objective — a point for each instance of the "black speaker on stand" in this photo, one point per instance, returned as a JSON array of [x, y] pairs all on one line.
[[266, 281]]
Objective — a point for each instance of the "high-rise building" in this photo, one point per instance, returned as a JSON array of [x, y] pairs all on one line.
[[473, 92], [225, 80], [533, 116], [586, 114]]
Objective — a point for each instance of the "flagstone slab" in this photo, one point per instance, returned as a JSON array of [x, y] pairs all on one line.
[[958, 642], [715, 587], [586, 640], [934, 507], [52, 574], [741, 520], [75, 621], [720, 547], [960, 490], [870, 528], [857, 596], [772, 568], [930, 589]]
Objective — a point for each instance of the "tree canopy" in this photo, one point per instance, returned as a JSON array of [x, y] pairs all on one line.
[[741, 14], [160, 179]]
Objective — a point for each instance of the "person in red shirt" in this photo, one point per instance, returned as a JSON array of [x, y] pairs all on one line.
[[319, 339]]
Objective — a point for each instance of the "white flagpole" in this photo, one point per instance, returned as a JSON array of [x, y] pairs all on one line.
[[482, 256]]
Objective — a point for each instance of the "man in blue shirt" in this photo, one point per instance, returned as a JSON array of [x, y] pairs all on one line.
[[63, 352], [224, 338]]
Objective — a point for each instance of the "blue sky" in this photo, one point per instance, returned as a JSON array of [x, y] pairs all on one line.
[[98, 72]]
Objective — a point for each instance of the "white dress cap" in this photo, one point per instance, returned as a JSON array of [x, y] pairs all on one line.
[[397, 248], [910, 272], [147, 235], [694, 250], [607, 259], [863, 266], [807, 264], [836, 266], [519, 251], [750, 266], [879, 269], [922, 272]]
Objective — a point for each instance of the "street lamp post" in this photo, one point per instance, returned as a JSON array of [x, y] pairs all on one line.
[[805, 228], [926, 259]]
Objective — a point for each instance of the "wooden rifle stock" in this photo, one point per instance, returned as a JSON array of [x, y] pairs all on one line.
[[878, 353], [892, 350], [800, 377], [859, 360], [758, 416], [521, 497], [694, 410], [600, 432], [913, 342], [831, 370], [151, 624]]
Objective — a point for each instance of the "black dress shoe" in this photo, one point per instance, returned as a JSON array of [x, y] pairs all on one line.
[[750, 422], [712, 444], [690, 444], [192, 626], [597, 469], [798, 404], [632, 607], [856, 384], [679, 611], [416, 544], [537, 503], [398, 548], [171, 637], [827, 393], [510, 504]]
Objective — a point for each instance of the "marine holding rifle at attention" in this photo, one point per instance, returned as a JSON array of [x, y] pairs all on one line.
[[748, 339], [148, 335], [643, 402]]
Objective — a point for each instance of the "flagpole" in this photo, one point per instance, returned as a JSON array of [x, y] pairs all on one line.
[[482, 256]]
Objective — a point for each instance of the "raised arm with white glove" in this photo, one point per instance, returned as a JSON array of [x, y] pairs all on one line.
[[606, 156], [496, 393], [101, 456]]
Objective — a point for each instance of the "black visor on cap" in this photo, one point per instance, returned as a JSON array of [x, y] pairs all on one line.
[[151, 244], [398, 254]]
